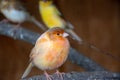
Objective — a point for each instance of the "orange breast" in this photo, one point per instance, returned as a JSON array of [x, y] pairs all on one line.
[[51, 54], [56, 58]]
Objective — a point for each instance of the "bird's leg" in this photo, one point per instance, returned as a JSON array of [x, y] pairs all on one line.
[[14, 30], [4, 21], [18, 25], [47, 75], [60, 74]]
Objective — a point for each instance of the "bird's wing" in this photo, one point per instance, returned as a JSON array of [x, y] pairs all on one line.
[[57, 11], [69, 25], [41, 46]]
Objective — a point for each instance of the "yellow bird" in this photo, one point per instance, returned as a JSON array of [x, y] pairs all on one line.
[[52, 18]]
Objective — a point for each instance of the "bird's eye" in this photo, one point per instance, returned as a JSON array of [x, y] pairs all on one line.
[[58, 34]]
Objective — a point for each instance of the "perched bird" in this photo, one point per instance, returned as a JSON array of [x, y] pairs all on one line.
[[52, 17], [50, 51], [14, 11]]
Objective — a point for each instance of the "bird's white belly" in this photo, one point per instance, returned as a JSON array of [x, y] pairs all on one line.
[[15, 15]]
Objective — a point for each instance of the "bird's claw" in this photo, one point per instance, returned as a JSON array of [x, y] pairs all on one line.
[[60, 74], [47, 76]]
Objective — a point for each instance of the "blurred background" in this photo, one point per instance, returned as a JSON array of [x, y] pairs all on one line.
[[95, 21]]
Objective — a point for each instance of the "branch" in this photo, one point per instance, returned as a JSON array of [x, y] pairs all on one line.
[[74, 56], [81, 76], [31, 37]]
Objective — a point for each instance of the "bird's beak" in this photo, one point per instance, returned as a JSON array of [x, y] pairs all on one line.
[[65, 34]]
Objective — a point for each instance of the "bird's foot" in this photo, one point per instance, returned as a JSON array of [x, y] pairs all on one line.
[[14, 31], [4, 21], [60, 74], [47, 76]]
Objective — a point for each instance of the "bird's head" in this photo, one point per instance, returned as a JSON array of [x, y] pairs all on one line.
[[3, 3], [45, 3], [57, 33]]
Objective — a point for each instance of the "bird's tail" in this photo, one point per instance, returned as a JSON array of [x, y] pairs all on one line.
[[37, 23], [69, 25], [27, 71]]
